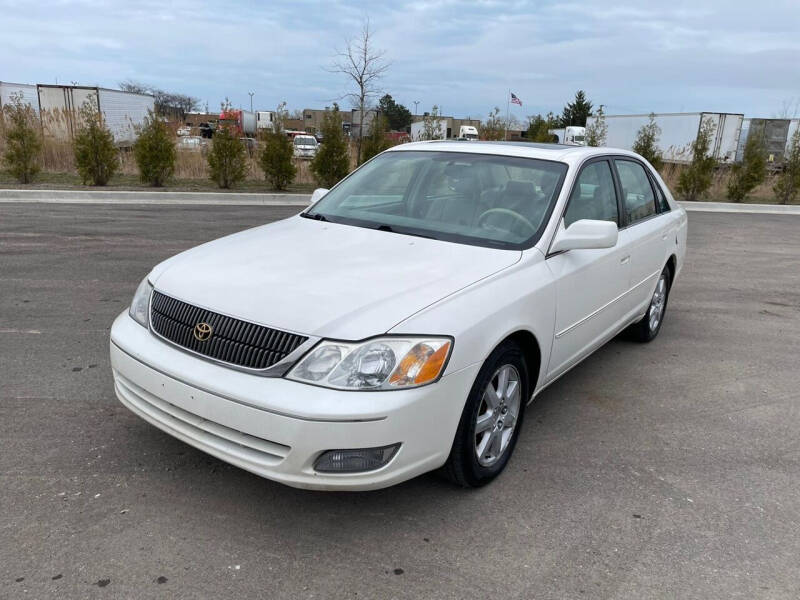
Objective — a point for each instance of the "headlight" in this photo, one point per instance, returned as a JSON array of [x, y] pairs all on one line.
[[140, 307], [388, 363]]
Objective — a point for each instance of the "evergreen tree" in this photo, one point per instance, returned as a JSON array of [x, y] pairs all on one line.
[[696, 179], [646, 144], [577, 111], [597, 130], [96, 156], [23, 145], [752, 171], [227, 159], [376, 142], [154, 152], [332, 161], [787, 186], [398, 116]]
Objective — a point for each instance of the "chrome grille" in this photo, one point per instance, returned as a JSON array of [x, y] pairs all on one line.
[[233, 341]]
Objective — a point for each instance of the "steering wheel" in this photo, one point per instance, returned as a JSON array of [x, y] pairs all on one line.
[[505, 211]]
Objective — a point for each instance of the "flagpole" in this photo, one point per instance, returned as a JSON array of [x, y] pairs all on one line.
[[508, 109]]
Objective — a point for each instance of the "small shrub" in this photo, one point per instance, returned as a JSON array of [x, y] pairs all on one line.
[[697, 177], [751, 172], [646, 144], [539, 128], [376, 142], [787, 186], [276, 159], [332, 161], [96, 156], [597, 130], [23, 145], [154, 152], [227, 159]]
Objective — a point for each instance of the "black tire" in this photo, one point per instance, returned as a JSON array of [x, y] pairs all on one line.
[[462, 466], [641, 331]]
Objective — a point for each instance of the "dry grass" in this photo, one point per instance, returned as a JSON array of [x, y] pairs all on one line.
[[718, 192]]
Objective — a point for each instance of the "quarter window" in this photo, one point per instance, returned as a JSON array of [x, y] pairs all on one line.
[[637, 193], [593, 196]]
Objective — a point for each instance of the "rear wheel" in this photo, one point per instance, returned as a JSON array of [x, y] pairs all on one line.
[[491, 421], [647, 329]]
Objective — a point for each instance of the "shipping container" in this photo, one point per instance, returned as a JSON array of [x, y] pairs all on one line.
[[27, 92], [418, 130], [678, 131]]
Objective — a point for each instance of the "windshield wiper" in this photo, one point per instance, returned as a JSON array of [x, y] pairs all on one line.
[[391, 229], [315, 216]]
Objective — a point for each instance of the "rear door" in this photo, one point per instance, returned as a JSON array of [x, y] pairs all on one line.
[[591, 283], [646, 231]]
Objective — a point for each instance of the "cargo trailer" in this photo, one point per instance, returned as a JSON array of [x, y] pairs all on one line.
[[777, 137], [122, 112], [25, 91], [678, 132]]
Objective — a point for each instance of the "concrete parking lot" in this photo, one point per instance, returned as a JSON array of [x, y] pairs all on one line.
[[668, 470]]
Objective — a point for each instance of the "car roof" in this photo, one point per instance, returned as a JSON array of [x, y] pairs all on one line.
[[559, 152]]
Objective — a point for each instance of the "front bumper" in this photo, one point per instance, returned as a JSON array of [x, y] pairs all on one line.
[[277, 428]]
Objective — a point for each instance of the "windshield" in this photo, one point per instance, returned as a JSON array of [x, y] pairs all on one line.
[[479, 199], [305, 141], [579, 138]]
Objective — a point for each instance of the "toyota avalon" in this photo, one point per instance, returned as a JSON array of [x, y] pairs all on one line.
[[404, 320]]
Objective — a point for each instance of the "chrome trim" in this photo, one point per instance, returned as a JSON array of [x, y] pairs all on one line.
[[279, 369], [242, 402], [563, 332]]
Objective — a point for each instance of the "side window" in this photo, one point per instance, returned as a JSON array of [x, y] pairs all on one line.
[[661, 198], [593, 196], [637, 193]]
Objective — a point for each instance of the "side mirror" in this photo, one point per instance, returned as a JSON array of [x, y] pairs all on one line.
[[317, 195], [585, 234]]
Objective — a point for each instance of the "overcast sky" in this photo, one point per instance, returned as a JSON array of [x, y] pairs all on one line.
[[633, 56]]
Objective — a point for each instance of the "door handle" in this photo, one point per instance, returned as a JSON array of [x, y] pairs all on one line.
[[625, 259]]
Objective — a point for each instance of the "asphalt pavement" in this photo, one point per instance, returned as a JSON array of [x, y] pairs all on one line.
[[667, 470]]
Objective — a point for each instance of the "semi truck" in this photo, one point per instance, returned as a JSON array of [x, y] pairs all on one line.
[[572, 135], [242, 122], [468, 132], [678, 131], [122, 112]]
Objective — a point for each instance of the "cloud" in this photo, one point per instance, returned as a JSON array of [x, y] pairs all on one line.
[[634, 56]]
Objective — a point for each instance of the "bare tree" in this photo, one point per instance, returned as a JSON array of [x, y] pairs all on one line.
[[365, 65]]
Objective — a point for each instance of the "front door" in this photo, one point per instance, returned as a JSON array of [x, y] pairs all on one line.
[[591, 284]]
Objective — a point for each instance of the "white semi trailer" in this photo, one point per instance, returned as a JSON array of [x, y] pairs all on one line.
[[24, 91], [122, 112], [418, 130], [678, 131], [572, 135]]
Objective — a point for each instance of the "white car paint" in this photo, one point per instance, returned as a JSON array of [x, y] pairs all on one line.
[[329, 280]]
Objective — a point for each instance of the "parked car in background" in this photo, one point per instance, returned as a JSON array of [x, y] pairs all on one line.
[[184, 130], [402, 322], [193, 143], [305, 146]]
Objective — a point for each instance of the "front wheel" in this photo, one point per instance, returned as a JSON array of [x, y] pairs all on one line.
[[647, 329], [491, 421]]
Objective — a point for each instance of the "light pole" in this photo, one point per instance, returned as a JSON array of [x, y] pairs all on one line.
[[251, 100], [416, 103]]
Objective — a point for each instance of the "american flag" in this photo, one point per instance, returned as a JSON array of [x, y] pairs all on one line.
[[515, 100]]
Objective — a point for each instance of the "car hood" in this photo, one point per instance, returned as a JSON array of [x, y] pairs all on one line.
[[325, 279]]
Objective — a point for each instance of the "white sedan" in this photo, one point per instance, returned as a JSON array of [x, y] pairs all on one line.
[[404, 321]]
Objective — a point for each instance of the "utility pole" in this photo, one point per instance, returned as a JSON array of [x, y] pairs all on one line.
[[251, 100]]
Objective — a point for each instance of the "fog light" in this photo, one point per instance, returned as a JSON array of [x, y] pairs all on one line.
[[356, 460]]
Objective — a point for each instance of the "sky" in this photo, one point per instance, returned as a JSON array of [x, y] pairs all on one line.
[[464, 56]]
